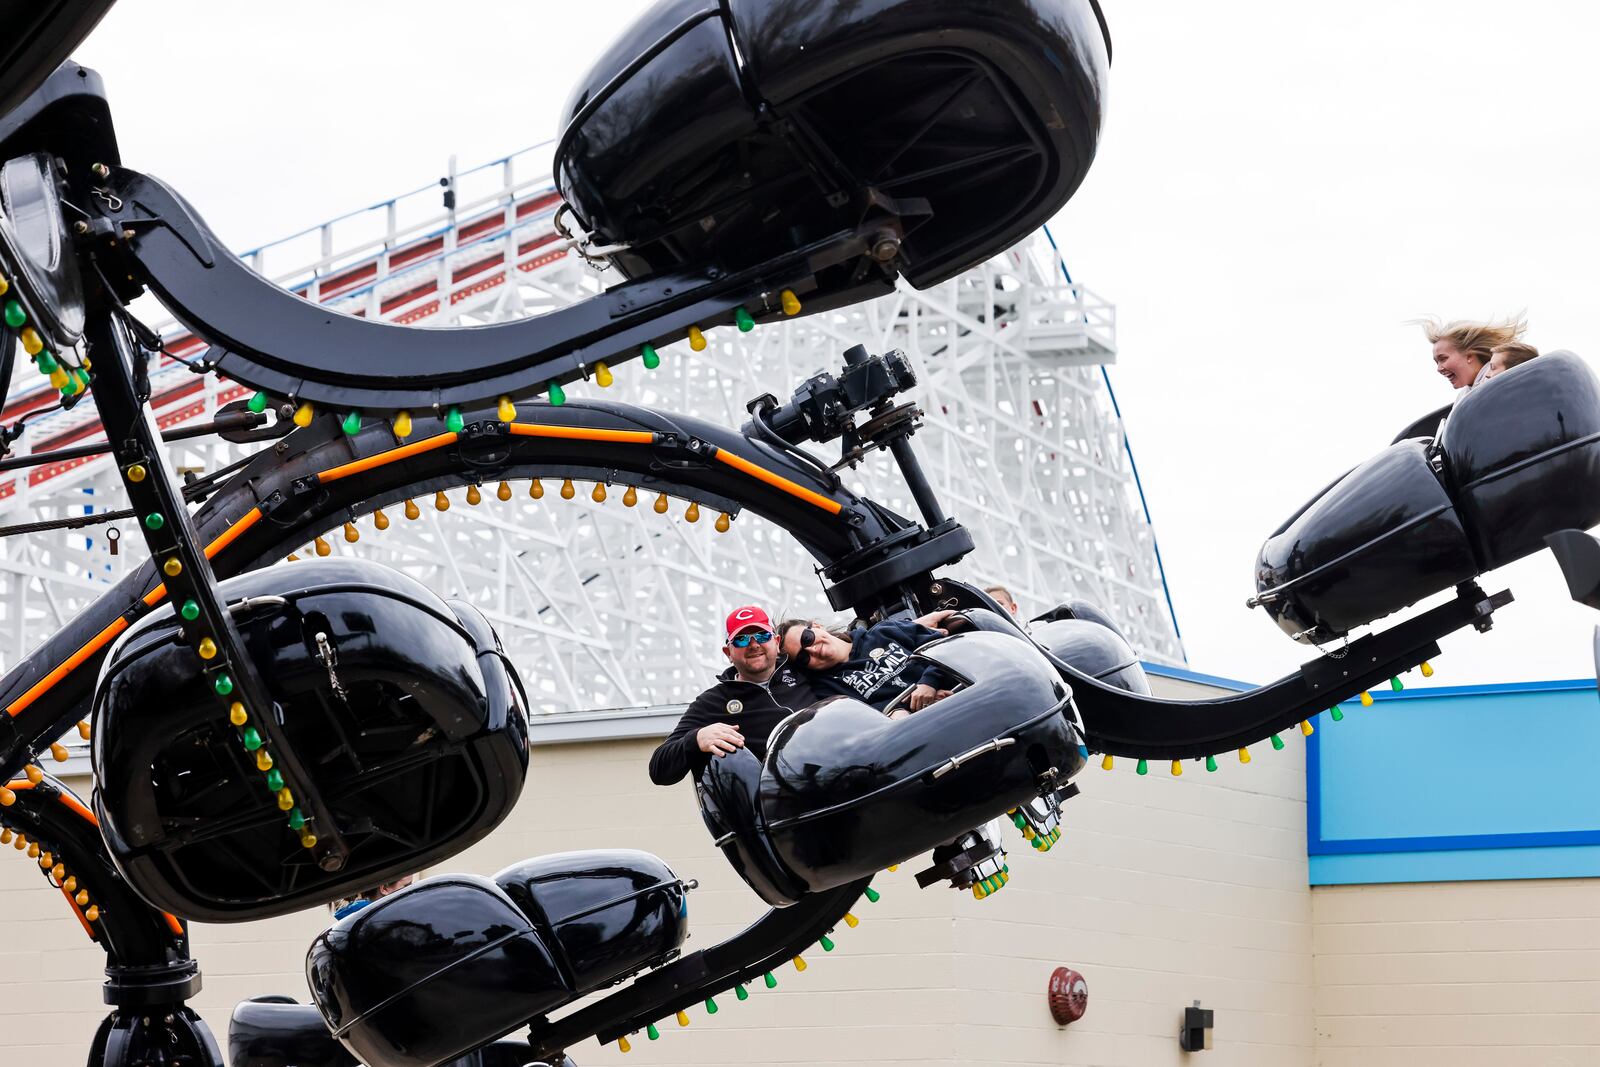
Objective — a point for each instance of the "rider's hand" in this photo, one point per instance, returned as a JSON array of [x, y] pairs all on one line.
[[719, 739], [922, 696], [934, 619]]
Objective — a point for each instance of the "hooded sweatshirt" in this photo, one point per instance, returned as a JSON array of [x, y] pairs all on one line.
[[880, 666], [756, 708]]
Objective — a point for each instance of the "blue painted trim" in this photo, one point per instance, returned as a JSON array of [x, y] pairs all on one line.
[[1579, 861], [1127, 446], [1465, 844], [1164, 670]]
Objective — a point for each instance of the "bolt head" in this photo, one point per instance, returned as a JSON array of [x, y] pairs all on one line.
[[80, 227]]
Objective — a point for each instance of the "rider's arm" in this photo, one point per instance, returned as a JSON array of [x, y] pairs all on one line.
[[680, 753]]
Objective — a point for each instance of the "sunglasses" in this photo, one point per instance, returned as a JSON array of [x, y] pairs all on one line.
[[802, 658], [743, 640]]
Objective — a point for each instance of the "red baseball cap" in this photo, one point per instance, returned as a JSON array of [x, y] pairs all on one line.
[[747, 618]]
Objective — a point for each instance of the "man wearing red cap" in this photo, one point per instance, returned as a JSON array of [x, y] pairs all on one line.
[[758, 691]]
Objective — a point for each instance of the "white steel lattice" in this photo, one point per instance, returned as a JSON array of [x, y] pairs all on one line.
[[603, 605]]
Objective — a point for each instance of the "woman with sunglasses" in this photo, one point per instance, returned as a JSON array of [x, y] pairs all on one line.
[[873, 664], [757, 692]]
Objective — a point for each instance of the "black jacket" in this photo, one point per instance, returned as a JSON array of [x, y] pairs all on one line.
[[753, 707]]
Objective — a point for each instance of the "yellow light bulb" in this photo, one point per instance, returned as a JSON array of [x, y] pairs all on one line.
[[697, 340], [71, 884], [285, 800], [58, 872], [33, 850], [322, 547], [92, 913], [22, 842], [412, 511], [1306, 727], [791, 303], [1427, 669], [473, 496], [7, 797], [58, 378], [136, 472], [850, 920], [599, 494], [661, 504], [623, 1046], [602, 374], [536, 489], [263, 760], [46, 861], [34, 773], [683, 1019], [172, 567], [84, 729], [58, 753], [1105, 764], [303, 415], [5, 832], [568, 490], [1366, 700], [207, 648], [507, 410], [32, 343], [308, 840], [380, 520], [692, 512], [402, 424], [440, 501], [1177, 767], [351, 534], [1244, 755], [723, 522], [799, 963], [293, 558], [631, 497], [504, 491], [82, 898], [237, 715]]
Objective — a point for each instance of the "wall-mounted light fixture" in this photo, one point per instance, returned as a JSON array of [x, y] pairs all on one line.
[[1196, 1033]]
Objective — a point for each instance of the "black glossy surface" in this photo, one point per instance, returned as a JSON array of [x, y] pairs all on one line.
[[610, 912], [426, 756], [434, 971], [38, 35], [1094, 649], [712, 133], [265, 1033], [1382, 537], [1523, 451], [845, 791]]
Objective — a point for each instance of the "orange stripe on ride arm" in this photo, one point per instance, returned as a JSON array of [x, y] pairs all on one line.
[[581, 433], [104, 637], [383, 459], [778, 481]]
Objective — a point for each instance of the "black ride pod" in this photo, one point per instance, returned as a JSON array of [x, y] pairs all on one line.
[[845, 791], [727, 133], [451, 963], [1518, 458], [424, 752]]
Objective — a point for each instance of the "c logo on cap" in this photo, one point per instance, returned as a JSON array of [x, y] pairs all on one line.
[[743, 614]]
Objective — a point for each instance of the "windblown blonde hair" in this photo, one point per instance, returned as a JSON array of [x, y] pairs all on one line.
[[1478, 339]]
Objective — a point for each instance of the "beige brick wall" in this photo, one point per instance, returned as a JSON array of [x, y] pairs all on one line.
[[1458, 974], [1161, 891]]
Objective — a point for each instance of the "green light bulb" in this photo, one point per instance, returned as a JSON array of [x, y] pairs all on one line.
[[258, 403], [647, 353], [1396, 684], [558, 395], [772, 983], [1211, 763], [1143, 767], [223, 685], [190, 611], [296, 820], [1336, 713], [252, 740], [1277, 742], [453, 420], [274, 780], [741, 992], [16, 318], [872, 894], [742, 319], [46, 362], [154, 521], [711, 1006], [651, 1032], [352, 423], [826, 943]]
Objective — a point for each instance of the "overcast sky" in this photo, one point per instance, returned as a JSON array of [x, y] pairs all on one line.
[[1280, 188]]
